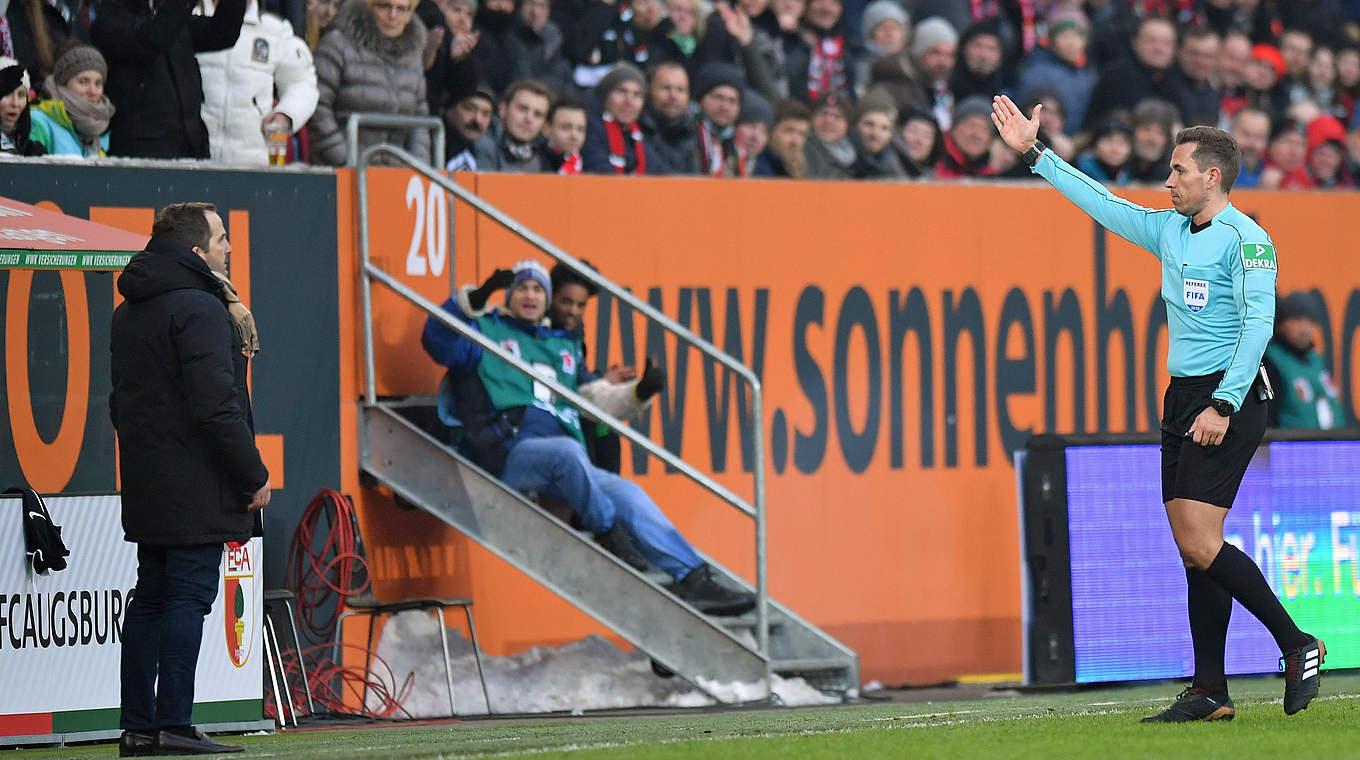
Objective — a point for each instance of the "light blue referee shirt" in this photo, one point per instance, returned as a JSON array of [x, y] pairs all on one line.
[[1218, 281]]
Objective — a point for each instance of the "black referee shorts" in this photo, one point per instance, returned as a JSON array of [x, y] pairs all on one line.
[[1210, 474]]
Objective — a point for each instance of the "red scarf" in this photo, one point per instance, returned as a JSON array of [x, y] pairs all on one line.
[[618, 156], [571, 164], [826, 66]]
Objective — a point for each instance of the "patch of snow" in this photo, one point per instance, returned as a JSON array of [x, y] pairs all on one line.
[[588, 674]]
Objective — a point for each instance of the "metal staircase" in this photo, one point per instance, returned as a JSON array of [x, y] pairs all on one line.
[[707, 651]]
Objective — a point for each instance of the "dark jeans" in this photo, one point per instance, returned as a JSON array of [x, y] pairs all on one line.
[[162, 631]]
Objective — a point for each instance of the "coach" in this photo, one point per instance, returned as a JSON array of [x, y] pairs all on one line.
[[191, 475]]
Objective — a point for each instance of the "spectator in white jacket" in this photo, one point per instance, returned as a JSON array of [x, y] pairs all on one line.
[[240, 85]]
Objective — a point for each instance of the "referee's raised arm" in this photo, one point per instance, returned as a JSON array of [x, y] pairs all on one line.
[[1136, 224]]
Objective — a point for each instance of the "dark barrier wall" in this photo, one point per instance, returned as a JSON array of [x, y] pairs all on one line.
[[283, 228]]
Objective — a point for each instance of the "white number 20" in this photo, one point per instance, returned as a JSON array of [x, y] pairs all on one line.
[[432, 223]]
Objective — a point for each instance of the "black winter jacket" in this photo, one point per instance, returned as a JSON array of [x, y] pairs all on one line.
[[153, 76], [180, 405]]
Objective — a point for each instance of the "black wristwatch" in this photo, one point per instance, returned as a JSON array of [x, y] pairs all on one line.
[[1224, 408], [1031, 156]]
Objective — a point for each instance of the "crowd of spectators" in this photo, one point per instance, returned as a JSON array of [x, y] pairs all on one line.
[[846, 89]]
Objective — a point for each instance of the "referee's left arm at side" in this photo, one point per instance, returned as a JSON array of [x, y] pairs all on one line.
[[1254, 269]]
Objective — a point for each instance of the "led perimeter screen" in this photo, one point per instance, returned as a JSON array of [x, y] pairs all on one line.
[[1297, 514]]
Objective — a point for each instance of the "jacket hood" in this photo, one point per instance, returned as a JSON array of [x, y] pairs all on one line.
[[164, 266], [357, 22]]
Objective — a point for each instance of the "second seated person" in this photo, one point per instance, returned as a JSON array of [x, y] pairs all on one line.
[[370, 60], [520, 431]]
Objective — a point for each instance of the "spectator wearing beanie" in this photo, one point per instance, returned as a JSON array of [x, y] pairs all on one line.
[[15, 124], [153, 75], [829, 153], [1062, 65], [753, 131], [967, 143], [717, 91], [824, 56], [934, 51], [467, 118], [610, 33], [1266, 87], [668, 127], [1326, 158], [783, 154], [886, 27], [241, 82], [918, 142], [872, 134], [981, 61], [731, 36], [1107, 160], [614, 142], [74, 119]]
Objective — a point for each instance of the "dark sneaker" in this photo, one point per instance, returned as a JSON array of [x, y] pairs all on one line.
[[617, 542], [701, 589], [137, 744], [1302, 674], [1195, 704]]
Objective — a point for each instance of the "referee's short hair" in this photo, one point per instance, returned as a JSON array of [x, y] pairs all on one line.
[[1214, 147]]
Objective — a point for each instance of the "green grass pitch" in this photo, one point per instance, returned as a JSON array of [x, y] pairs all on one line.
[[1099, 723]]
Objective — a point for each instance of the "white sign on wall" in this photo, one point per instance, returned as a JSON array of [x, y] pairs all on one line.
[[61, 634]]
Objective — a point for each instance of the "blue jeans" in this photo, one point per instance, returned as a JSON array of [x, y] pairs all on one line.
[[558, 467], [162, 631]]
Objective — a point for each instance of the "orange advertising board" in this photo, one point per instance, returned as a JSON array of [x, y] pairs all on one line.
[[909, 337]]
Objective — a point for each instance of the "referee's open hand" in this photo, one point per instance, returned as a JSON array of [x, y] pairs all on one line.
[[1208, 428], [1017, 131]]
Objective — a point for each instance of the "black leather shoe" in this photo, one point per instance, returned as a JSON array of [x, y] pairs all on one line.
[[171, 743], [136, 744]]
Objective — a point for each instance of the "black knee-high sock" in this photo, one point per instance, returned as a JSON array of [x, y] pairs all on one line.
[[1210, 608], [1236, 572]]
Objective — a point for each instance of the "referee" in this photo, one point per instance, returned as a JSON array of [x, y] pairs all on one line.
[[1218, 282]]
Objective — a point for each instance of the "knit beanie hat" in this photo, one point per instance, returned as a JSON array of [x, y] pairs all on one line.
[[884, 10], [78, 59], [529, 269], [12, 74], [716, 74], [973, 105], [623, 72], [930, 32], [755, 108]]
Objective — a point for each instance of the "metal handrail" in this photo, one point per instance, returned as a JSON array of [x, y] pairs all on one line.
[[378, 119], [369, 272]]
